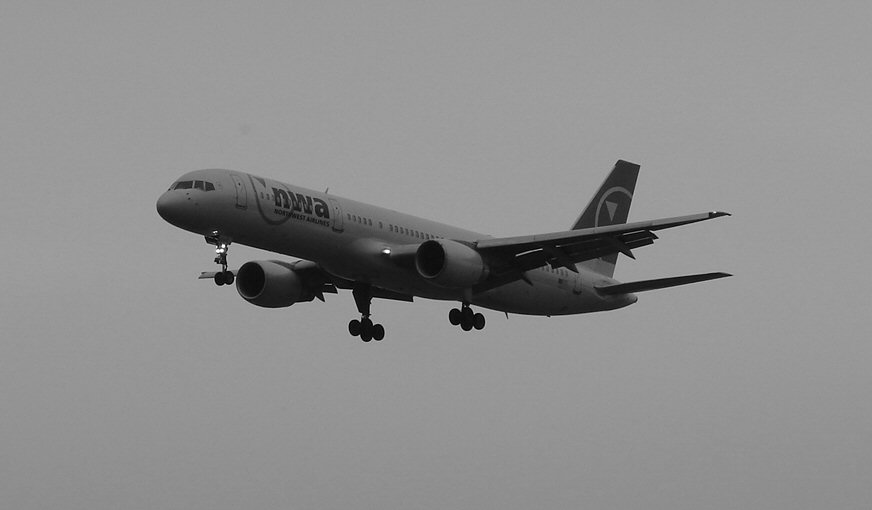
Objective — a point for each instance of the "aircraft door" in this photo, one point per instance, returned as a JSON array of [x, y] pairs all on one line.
[[338, 225], [241, 194]]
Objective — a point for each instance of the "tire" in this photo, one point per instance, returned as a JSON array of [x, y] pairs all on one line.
[[478, 321], [466, 315], [219, 278], [454, 316], [378, 332], [366, 329], [354, 327]]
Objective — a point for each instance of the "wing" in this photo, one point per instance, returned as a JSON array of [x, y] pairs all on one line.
[[510, 257], [316, 281], [320, 282]]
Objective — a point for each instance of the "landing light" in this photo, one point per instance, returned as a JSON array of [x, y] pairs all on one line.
[[386, 251]]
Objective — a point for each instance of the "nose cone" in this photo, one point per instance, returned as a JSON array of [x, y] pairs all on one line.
[[179, 208], [168, 207]]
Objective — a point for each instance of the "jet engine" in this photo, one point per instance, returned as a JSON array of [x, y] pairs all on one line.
[[450, 264], [270, 284]]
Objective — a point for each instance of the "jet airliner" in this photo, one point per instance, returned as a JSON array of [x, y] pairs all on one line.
[[381, 253]]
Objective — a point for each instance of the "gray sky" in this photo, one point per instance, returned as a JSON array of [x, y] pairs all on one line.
[[127, 383]]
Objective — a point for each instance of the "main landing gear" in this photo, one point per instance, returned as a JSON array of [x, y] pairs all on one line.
[[465, 318], [364, 328], [223, 277]]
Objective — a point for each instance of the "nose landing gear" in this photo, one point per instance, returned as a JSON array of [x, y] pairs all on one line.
[[223, 277], [466, 318]]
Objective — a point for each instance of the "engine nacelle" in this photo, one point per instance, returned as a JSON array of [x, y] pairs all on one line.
[[450, 264], [270, 284]]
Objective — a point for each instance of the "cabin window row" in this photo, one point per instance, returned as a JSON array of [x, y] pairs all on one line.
[[411, 232], [391, 227]]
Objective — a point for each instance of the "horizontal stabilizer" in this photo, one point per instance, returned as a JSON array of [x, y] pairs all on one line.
[[661, 283]]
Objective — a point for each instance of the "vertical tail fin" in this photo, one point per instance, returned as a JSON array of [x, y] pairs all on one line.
[[610, 206]]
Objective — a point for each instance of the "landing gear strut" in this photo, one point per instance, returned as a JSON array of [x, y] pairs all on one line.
[[364, 328], [223, 277], [465, 318]]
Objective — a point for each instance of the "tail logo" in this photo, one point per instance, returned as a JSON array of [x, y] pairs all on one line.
[[612, 207], [613, 199]]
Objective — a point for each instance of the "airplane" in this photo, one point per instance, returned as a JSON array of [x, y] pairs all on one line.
[[342, 244]]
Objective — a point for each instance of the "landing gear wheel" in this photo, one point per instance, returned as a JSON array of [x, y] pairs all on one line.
[[454, 317], [366, 329], [466, 318], [220, 279], [378, 332], [466, 315], [354, 327], [228, 278], [478, 321]]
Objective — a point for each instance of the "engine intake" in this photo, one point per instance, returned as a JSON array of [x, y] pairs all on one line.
[[450, 264], [270, 284]]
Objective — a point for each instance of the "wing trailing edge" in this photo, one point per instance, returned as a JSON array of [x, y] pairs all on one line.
[[660, 283]]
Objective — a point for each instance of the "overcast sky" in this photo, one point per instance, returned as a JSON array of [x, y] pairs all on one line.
[[127, 383]]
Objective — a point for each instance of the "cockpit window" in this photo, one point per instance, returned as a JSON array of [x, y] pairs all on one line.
[[201, 185]]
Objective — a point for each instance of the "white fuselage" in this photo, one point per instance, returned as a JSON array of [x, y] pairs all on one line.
[[360, 242]]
